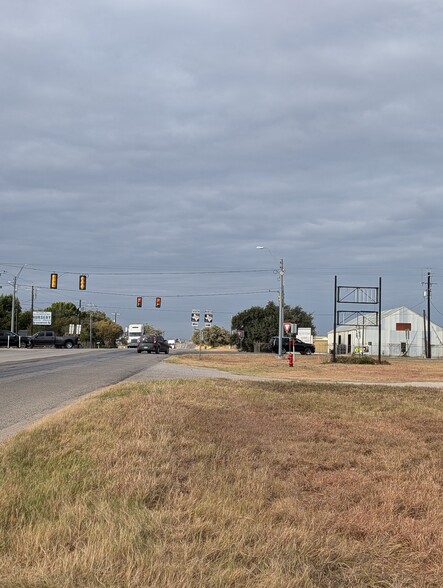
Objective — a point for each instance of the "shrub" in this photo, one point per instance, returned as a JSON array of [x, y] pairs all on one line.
[[361, 359]]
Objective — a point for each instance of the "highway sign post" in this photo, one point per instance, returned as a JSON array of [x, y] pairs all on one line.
[[208, 318], [195, 318]]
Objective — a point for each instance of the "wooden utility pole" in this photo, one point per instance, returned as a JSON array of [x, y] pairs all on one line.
[[428, 293]]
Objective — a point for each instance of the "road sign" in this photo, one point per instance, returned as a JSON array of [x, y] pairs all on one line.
[[195, 318], [287, 327], [208, 318]]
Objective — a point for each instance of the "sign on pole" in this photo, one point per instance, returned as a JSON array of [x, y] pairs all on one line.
[[195, 318], [208, 318]]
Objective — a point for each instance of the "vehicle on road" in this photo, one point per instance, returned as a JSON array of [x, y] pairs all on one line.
[[153, 344], [50, 339], [135, 333], [11, 339], [300, 346]]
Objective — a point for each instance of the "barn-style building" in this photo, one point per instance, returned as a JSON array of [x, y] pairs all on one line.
[[403, 333]]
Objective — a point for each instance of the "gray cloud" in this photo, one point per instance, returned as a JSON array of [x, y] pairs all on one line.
[[178, 135]]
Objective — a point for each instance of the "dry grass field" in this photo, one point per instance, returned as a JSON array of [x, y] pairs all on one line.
[[225, 484], [318, 367]]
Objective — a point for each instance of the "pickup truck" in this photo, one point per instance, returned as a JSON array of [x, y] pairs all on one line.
[[49, 338]]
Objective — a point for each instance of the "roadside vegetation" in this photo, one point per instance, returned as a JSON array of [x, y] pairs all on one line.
[[215, 483], [258, 324]]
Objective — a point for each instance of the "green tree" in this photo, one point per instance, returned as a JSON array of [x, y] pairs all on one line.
[[259, 323], [88, 320], [5, 311], [63, 314], [213, 336], [150, 330], [106, 332], [25, 321]]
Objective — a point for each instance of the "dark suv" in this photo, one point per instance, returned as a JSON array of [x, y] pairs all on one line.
[[153, 343], [300, 346], [13, 340]]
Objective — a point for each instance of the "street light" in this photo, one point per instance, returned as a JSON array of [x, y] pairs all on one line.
[[281, 303]]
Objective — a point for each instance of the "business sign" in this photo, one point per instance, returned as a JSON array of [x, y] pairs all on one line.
[[41, 318]]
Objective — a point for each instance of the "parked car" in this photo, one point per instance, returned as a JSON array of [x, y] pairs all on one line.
[[300, 346], [153, 343], [13, 340], [50, 339]]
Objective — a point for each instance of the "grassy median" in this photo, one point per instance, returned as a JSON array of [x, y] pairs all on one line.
[[224, 484], [317, 367]]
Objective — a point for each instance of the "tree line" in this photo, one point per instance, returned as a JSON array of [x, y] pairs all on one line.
[[257, 324], [104, 331], [254, 327]]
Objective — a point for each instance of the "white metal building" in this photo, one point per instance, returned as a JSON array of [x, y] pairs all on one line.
[[403, 332]]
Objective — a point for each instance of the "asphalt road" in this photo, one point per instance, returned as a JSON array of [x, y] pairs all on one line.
[[36, 382]]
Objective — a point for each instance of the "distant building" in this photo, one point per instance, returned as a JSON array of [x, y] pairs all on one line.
[[403, 332]]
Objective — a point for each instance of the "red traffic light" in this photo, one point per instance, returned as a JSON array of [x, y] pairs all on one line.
[[139, 301], [158, 302]]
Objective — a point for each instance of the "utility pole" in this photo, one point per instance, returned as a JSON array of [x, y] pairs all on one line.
[[14, 290], [32, 310], [281, 303], [429, 354]]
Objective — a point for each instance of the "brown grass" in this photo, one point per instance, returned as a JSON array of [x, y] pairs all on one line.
[[318, 367], [221, 484]]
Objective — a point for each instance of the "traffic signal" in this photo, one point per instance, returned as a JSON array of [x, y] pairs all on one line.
[[158, 302], [82, 282], [54, 280], [139, 301]]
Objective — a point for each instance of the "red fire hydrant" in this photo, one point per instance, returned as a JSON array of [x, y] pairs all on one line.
[[291, 359]]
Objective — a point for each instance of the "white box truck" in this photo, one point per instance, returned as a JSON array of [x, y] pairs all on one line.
[[134, 334]]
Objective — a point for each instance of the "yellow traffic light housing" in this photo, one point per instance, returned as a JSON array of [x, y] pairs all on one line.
[[82, 282], [54, 280]]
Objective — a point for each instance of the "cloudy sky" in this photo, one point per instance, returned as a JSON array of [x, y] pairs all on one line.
[[153, 144]]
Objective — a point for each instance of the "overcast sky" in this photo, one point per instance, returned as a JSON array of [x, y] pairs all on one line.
[[154, 144]]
